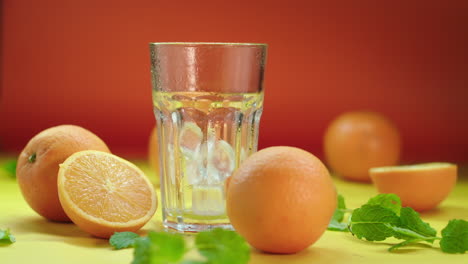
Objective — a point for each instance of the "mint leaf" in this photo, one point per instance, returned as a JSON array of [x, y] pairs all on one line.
[[6, 237], [372, 222], [387, 200], [339, 211], [121, 240], [334, 225], [142, 253], [9, 167], [412, 229], [455, 237], [159, 248], [341, 202], [222, 246], [404, 243], [217, 246], [411, 220], [405, 233]]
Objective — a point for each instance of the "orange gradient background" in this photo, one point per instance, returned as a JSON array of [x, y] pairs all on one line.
[[87, 63]]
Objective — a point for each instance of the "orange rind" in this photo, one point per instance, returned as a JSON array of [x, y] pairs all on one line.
[[421, 186], [103, 194]]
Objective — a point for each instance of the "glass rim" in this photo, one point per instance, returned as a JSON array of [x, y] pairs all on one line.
[[208, 44]]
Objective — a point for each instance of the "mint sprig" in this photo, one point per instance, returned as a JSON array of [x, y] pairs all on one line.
[[121, 240], [383, 217], [6, 237], [216, 246]]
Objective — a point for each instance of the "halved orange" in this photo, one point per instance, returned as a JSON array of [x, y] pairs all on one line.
[[103, 194], [421, 186]]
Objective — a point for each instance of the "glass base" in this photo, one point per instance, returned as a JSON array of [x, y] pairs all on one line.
[[193, 228]]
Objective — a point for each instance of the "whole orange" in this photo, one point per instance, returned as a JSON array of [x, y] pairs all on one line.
[[281, 199], [38, 166], [153, 153], [357, 141]]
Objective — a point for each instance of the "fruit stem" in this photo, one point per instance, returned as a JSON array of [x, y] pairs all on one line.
[[32, 158]]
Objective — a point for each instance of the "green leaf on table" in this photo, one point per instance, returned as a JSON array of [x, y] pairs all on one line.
[[341, 202], [336, 223], [121, 240], [412, 229], [222, 246], [455, 237], [407, 234], [388, 200], [373, 222], [404, 243], [142, 253], [411, 220], [159, 248], [6, 237], [9, 167], [340, 209]]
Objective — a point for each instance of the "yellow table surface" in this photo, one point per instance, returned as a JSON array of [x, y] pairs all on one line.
[[42, 241]]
